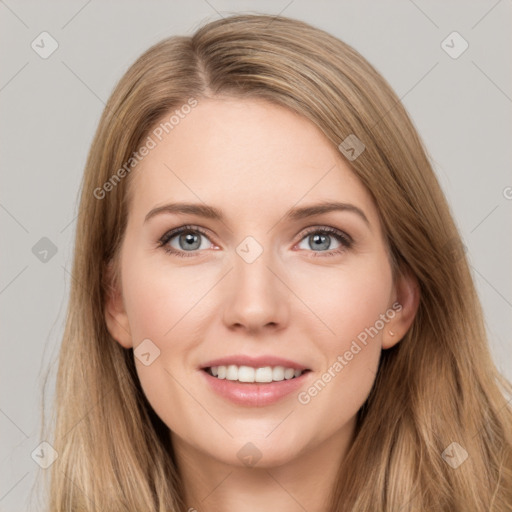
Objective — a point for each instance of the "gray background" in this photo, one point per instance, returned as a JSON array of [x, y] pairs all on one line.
[[50, 109]]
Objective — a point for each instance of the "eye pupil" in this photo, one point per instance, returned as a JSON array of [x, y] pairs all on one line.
[[189, 239], [320, 240]]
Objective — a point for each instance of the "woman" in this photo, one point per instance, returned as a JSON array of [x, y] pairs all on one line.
[[213, 358]]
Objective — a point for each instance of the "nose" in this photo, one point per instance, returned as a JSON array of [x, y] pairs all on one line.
[[258, 299]]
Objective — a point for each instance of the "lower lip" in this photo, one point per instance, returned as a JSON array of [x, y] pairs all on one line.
[[254, 394]]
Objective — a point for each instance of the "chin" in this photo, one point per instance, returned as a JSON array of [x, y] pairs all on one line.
[[267, 453]]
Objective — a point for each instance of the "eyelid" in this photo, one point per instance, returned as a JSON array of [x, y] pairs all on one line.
[[171, 233], [327, 229]]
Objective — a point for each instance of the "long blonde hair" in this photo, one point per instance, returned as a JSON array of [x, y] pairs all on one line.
[[436, 387]]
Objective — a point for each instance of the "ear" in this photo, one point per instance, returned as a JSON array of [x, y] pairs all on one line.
[[115, 314], [407, 293]]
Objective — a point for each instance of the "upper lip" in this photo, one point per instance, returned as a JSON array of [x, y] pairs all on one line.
[[255, 362]]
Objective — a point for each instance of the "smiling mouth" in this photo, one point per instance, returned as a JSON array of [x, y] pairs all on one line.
[[249, 374]]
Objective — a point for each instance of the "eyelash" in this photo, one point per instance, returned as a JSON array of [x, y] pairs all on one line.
[[343, 238]]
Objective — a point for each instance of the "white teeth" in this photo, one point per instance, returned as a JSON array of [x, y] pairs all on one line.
[[250, 374], [263, 374], [232, 372], [278, 373], [289, 373], [246, 374]]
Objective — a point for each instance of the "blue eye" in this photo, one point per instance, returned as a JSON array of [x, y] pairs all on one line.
[[189, 237], [319, 238], [189, 241]]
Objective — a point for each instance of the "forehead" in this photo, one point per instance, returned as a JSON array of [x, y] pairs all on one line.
[[246, 154]]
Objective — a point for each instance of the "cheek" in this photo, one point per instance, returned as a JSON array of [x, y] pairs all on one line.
[[353, 306], [347, 299], [160, 303], [158, 297]]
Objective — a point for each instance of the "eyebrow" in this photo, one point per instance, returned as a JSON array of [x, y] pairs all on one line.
[[294, 214]]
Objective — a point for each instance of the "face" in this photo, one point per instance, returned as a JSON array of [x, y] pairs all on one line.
[[266, 282]]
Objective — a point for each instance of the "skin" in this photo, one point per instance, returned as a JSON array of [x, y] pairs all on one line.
[[254, 161]]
